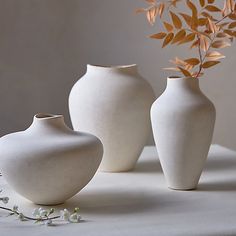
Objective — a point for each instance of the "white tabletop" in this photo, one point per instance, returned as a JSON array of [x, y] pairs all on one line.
[[139, 203]]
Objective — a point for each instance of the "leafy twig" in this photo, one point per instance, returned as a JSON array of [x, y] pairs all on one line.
[[201, 28], [42, 215]]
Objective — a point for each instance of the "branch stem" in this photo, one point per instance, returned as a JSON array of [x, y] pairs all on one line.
[[200, 57], [30, 218]]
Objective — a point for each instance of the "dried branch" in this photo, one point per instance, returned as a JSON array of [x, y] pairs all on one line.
[[207, 27]]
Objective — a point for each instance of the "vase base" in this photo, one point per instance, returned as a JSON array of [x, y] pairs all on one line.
[[183, 189], [116, 171], [48, 204]]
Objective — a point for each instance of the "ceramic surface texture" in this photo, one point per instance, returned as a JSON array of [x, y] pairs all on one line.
[[183, 121], [114, 104], [49, 163]]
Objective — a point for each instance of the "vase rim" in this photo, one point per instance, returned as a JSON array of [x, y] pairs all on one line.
[[46, 116], [174, 78], [113, 66], [45, 122]]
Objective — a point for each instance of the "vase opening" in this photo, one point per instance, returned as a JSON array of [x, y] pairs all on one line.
[[180, 78], [47, 121], [119, 68], [46, 116], [113, 67], [176, 83], [174, 77]]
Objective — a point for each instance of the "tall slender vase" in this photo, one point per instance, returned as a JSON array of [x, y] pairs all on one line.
[[183, 121], [114, 104]]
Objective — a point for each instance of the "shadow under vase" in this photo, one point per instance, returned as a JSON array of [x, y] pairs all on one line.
[[112, 202], [150, 166], [219, 163], [218, 186], [221, 172]]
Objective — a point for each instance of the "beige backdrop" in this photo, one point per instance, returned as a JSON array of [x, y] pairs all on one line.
[[46, 44]]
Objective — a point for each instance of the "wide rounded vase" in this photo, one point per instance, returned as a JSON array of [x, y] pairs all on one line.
[[114, 104], [49, 163], [183, 121]]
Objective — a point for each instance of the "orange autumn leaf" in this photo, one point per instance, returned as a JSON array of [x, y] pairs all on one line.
[[188, 38], [160, 35], [151, 15], [202, 3], [171, 68], [185, 72], [192, 61], [193, 7], [209, 64], [168, 39], [212, 8], [230, 5], [187, 18], [232, 25], [161, 9], [220, 44], [168, 26], [204, 44], [179, 36], [176, 20], [151, 1], [214, 55]]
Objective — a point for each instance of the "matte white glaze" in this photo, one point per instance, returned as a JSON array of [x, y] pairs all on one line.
[[48, 163]]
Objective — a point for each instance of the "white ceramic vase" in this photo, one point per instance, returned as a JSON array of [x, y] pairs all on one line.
[[183, 121], [114, 104], [49, 163]]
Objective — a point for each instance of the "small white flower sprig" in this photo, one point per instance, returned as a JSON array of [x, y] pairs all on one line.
[[40, 215]]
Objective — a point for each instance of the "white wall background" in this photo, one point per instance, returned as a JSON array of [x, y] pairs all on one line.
[[46, 44]]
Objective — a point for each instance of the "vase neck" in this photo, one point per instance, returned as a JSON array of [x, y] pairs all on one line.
[[127, 69], [49, 123], [183, 84]]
